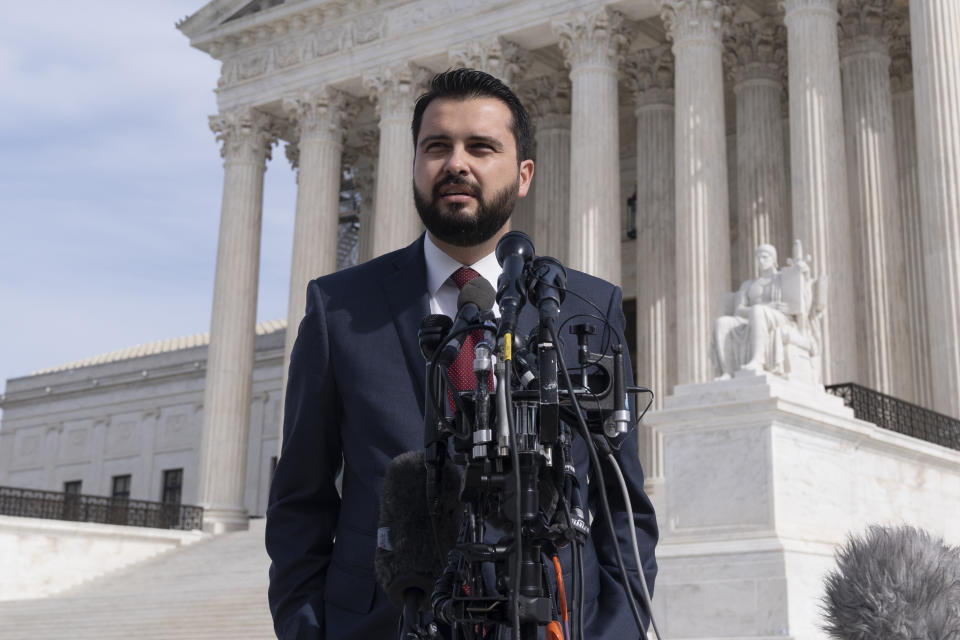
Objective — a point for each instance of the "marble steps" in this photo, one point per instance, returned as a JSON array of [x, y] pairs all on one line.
[[209, 590]]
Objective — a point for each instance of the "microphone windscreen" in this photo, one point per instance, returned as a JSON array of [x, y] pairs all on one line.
[[479, 292], [410, 554], [896, 584]]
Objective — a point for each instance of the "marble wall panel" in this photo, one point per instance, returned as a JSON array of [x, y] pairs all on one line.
[[177, 429], [123, 437], [27, 448], [707, 492], [76, 442]]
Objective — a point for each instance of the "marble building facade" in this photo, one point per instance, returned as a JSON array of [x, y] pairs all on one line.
[[733, 122]]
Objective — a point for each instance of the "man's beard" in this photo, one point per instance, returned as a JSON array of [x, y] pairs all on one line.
[[462, 229]]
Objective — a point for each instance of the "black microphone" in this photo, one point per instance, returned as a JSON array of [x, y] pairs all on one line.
[[896, 584], [433, 329], [410, 554], [547, 286], [514, 251], [475, 297]]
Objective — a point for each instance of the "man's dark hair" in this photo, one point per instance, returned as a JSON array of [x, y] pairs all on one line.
[[462, 84]]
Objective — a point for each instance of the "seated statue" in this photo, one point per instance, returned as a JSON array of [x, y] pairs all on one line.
[[774, 323]]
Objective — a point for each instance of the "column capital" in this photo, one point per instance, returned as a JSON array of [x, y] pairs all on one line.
[[548, 95], [702, 21], [757, 51], [360, 151], [866, 26], [394, 88], [592, 38], [650, 74], [292, 151], [497, 56], [245, 131], [901, 65], [320, 114]]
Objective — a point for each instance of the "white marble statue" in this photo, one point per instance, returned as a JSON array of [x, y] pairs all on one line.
[[774, 321]]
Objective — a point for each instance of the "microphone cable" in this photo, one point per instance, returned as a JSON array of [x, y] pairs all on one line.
[[633, 540], [598, 476]]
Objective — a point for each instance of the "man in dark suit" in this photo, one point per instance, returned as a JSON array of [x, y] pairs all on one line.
[[355, 388]]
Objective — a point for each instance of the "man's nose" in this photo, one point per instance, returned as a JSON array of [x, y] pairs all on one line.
[[457, 162]]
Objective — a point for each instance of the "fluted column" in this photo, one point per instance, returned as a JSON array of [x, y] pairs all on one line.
[[756, 54], [934, 25], [702, 200], [880, 279], [247, 136], [592, 43], [821, 214], [318, 120], [395, 220], [361, 157], [908, 206], [650, 76], [548, 99]]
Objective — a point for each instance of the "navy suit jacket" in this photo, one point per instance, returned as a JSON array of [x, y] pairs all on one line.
[[355, 393]]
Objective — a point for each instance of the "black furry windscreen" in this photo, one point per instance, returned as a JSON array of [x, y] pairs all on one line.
[[894, 584]]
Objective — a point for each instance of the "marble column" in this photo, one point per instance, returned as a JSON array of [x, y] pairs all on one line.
[[820, 209], [548, 100], [394, 88], [879, 276], [756, 54], [934, 25], [318, 119], [247, 136], [702, 200], [360, 155], [650, 77], [592, 43], [908, 205]]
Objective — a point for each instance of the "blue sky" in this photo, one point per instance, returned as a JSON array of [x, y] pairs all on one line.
[[110, 183]]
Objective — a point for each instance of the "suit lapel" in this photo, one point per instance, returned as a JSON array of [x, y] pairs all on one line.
[[406, 293]]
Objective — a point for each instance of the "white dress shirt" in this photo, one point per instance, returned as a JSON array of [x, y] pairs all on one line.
[[443, 291]]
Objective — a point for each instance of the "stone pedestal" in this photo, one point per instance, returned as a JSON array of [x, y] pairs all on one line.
[[702, 198], [592, 43], [820, 210], [763, 480], [247, 136], [934, 25]]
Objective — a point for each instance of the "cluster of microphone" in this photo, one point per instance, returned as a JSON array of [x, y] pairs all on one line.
[[466, 523]]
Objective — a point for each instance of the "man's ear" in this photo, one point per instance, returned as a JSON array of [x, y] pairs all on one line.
[[526, 175]]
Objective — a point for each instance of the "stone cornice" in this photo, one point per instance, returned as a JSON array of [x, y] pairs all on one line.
[[320, 114], [757, 51], [592, 38], [702, 21], [496, 55], [650, 75], [394, 89], [245, 134]]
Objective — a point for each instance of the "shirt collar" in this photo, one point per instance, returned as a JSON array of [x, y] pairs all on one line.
[[440, 266]]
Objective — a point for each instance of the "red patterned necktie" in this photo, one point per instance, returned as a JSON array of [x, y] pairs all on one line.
[[461, 371]]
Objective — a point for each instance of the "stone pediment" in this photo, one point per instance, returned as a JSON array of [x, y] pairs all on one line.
[[215, 13]]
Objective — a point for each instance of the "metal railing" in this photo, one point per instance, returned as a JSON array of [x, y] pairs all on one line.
[[898, 415], [51, 505]]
